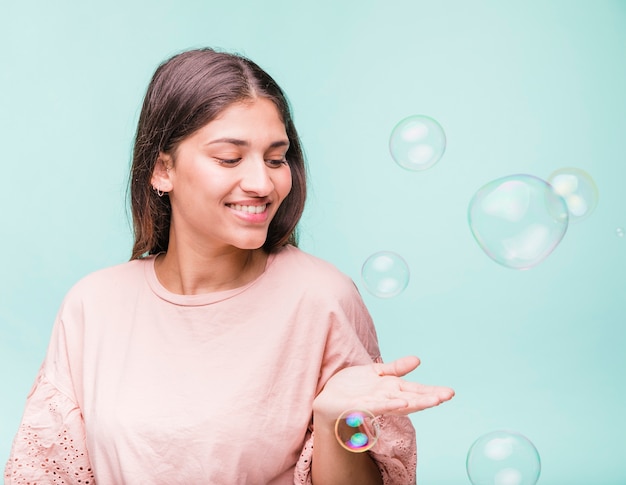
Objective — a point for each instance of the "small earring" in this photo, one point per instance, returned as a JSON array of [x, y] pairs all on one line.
[[158, 191]]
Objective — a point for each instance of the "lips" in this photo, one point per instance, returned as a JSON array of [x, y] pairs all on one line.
[[250, 209]]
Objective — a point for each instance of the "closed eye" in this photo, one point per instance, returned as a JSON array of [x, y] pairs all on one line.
[[275, 163], [229, 162]]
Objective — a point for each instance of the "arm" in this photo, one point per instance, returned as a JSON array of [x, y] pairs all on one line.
[[352, 375], [50, 443], [377, 388], [333, 465]]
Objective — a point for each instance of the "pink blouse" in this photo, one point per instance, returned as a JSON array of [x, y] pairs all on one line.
[[144, 386]]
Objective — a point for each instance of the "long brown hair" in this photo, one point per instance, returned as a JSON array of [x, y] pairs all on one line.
[[186, 92]]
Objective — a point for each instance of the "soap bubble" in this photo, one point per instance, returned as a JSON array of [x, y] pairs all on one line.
[[417, 142], [503, 458], [578, 189], [385, 274], [357, 430], [517, 220]]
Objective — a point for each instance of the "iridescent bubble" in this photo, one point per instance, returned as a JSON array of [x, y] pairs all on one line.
[[357, 430], [417, 142], [385, 274], [503, 458], [518, 220], [578, 189]]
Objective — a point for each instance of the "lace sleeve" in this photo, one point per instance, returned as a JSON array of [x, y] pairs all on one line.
[[50, 444], [302, 473], [394, 453]]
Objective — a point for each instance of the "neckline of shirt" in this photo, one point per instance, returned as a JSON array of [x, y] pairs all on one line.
[[195, 300]]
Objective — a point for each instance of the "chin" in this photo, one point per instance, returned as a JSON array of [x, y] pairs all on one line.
[[250, 244], [248, 240]]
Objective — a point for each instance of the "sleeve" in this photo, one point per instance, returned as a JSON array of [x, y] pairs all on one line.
[[352, 340], [395, 453], [50, 443]]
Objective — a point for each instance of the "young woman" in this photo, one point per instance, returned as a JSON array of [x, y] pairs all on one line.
[[221, 353]]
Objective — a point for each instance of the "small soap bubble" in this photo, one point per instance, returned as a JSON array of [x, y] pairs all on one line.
[[385, 274], [518, 220], [578, 189], [357, 430], [503, 458], [417, 142]]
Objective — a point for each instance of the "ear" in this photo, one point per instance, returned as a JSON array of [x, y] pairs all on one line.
[[161, 177]]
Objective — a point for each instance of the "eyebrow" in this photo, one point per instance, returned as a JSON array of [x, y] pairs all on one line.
[[237, 142]]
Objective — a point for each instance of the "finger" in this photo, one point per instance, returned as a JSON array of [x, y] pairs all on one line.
[[440, 394], [398, 367], [418, 402], [388, 406], [407, 402], [423, 400], [445, 393]]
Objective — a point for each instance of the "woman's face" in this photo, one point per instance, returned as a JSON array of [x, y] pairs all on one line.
[[227, 180]]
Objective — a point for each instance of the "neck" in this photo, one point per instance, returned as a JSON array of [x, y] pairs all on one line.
[[194, 272]]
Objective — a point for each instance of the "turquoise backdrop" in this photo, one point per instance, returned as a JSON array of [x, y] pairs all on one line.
[[519, 87]]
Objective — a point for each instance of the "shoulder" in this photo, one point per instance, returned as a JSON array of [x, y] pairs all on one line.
[[331, 296], [317, 278], [106, 283], [296, 265], [116, 275]]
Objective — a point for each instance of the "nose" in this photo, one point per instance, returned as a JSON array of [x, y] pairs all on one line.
[[256, 177]]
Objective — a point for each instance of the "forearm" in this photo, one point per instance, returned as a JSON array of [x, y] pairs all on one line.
[[334, 465]]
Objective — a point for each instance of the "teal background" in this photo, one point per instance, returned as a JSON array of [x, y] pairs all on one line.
[[519, 87]]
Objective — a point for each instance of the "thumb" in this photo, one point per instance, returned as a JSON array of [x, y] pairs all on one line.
[[398, 367]]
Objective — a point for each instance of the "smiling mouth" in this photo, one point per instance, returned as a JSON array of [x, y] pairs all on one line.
[[251, 209]]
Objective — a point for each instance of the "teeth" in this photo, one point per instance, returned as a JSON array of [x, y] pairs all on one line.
[[252, 209]]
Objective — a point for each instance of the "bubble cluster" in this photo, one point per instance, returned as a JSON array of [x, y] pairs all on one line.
[[357, 430], [503, 458], [417, 142], [518, 220], [578, 189], [385, 274]]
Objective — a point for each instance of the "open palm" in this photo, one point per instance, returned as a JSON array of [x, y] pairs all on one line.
[[380, 389]]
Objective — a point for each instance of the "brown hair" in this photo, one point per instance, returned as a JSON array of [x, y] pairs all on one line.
[[186, 92]]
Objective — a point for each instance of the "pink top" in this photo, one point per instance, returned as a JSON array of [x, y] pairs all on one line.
[[143, 386]]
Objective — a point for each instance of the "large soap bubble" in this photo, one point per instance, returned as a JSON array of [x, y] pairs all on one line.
[[578, 189], [518, 220], [417, 142], [503, 458]]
